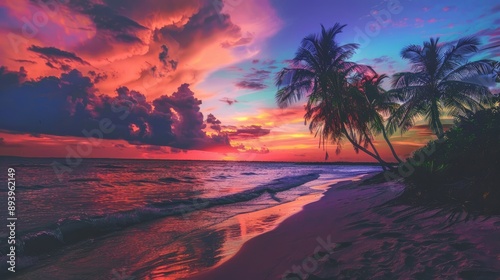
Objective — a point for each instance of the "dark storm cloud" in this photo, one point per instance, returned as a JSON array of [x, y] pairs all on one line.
[[24, 61], [184, 110], [10, 79], [113, 31], [214, 123], [52, 54], [246, 132], [69, 106], [106, 18], [97, 77], [164, 58], [208, 21]]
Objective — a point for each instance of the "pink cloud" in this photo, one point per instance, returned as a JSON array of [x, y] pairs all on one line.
[[419, 22], [192, 30], [449, 8]]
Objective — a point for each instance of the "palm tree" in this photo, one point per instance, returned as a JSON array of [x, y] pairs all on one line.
[[441, 78], [336, 108], [381, 104]]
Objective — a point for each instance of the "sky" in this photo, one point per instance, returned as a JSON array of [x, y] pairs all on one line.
[[194, 79]]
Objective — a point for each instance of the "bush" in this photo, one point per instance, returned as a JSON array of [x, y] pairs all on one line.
[[464, 168]]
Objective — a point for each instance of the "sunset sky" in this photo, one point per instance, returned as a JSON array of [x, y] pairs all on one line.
[[196, 77]]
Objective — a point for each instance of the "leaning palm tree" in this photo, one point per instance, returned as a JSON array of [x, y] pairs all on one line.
[[381, 104], [441, 79], [336, 109]]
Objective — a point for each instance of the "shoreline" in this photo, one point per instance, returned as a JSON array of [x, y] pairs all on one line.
[[345, 235]]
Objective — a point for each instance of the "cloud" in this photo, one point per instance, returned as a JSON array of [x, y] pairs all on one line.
[[176, 151], [382, 64], [252, 150], [269, 62], [254, 80], [245, 132], [70, 106], [152, 148], [24, 61], [4, 143], [262, 150], [54, 56], [250, 85], [492, 38], [419, 22], [228, 100], [449, 8], [97, 77], [122, 38], [164, 58], [240, 42], [382, 59], [214, 123], [9, 79], [201, 26], [108, 21]]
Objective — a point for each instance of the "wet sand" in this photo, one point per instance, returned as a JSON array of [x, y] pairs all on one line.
[[349, 234]]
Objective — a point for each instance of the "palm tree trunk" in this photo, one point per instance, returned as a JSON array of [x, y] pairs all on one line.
[[355, 144], [374, 149], [440, 129], [437, 121], [384, 133]]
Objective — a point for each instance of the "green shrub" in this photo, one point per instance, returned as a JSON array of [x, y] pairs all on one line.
[[462, 168]]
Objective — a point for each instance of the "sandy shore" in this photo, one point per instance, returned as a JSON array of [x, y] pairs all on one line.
[[347, 235]]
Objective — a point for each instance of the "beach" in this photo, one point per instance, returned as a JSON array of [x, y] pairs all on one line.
[[350, 234], [220, 220], [154, 219]]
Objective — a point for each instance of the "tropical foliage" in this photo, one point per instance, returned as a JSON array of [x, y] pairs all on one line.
[[345, 100], [337, 107], [462, 170], [441, 81]]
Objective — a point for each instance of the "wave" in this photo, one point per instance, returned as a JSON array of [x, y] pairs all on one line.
[[143, 171], [72, 230], [141, 181], [31, 165], [85, 180], [222, 177], [169, 180], [34, 187], [110, 166]]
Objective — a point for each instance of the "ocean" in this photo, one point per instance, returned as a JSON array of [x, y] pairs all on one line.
[[150, 219]]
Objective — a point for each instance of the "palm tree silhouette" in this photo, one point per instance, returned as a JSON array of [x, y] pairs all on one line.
[[441, 78], [336, 108], [380, 103]]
